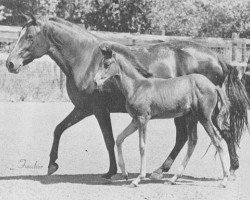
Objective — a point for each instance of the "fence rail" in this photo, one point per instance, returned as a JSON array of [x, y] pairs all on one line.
[[233, 49]]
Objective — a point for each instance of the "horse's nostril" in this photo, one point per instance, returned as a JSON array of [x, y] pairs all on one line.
[[10, 65]]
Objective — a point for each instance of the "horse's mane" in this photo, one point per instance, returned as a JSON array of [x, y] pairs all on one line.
[[77, 31], [132, 58], [67, 23]]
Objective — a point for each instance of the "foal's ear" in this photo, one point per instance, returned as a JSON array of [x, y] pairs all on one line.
[[106, 50]]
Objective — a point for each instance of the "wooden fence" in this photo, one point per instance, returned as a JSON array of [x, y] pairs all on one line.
[[235, 50]]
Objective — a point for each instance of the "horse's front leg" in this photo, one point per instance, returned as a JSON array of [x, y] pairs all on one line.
[[131, 128], [75, 116], [103, 117], [142, 146]]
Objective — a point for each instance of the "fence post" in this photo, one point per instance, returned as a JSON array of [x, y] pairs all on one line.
[[62, 81], [244, 50], [234, 46]]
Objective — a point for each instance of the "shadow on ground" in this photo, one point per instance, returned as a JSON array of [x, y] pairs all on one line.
[[96, 179]]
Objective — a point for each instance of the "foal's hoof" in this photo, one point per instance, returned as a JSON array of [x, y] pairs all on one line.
[[108, 175], [125, 177], [232, 177], [156, 176], [52, 168], [170, 182]]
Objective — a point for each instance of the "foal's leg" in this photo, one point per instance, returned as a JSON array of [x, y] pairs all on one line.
[[142, 146], [131, 128], [75, 116], [192, 141], [181, 139], [208, 125]]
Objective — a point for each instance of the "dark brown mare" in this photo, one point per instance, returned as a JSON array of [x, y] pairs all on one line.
[[77, 53], [193, 97]]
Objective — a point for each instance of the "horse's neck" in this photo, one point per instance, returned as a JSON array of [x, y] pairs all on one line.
[[73, 54], [129, 78]]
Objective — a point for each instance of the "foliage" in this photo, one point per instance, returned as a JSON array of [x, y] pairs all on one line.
[[216, 18], [119, 16], [208, 18], [10, 10], [225, 17]]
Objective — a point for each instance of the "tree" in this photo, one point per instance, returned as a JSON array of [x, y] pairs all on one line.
[[10, 10], [225, 17], [177, 17], [109, 15]]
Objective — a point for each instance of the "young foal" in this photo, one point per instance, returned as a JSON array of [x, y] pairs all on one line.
[[192, 96]]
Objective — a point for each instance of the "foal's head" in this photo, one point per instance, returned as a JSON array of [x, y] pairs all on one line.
[[109, 67]]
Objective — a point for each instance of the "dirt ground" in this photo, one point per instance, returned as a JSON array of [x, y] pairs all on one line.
[[26, 134]]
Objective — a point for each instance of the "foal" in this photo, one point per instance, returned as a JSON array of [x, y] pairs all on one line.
[[192, 96]]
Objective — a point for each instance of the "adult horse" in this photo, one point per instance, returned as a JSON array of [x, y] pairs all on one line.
[[77, 53]]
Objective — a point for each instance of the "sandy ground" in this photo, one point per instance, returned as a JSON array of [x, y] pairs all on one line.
[[26, 135]]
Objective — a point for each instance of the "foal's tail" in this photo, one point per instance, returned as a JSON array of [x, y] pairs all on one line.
[[222, 119], [239, 101]]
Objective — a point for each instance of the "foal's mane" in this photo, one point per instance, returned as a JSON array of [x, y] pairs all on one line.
[[131, 57]]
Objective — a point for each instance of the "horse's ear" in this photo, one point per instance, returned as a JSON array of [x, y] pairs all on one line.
[[33, 18], [29, 18], [106, 50], [26, 17]]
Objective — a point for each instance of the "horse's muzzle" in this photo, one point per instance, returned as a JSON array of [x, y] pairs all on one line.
[[11, 67]]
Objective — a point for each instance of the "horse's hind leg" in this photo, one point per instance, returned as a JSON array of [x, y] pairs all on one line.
[[234, 160], [216, 140], [75, 116], [181, 139], [192, 141]]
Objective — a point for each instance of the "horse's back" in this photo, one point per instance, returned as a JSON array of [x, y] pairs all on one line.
[[178, 58]]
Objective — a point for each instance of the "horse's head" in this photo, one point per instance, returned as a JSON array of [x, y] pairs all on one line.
[[109, 66], [31, 44]]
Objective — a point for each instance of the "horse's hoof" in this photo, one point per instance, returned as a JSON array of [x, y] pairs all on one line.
[[52, 168], [133, 185], [108, 175], [170, 182], [222, 185], [156, 176]]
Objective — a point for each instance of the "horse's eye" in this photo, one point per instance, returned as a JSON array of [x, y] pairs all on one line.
[[29, 37]]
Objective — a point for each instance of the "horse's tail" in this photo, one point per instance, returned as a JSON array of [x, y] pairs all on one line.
[[223, 114], [239, 101]]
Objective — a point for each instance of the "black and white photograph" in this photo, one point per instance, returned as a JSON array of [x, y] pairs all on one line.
[[124, 99]]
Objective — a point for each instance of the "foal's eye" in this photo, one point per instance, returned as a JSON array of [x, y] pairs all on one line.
[[106, 65]]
